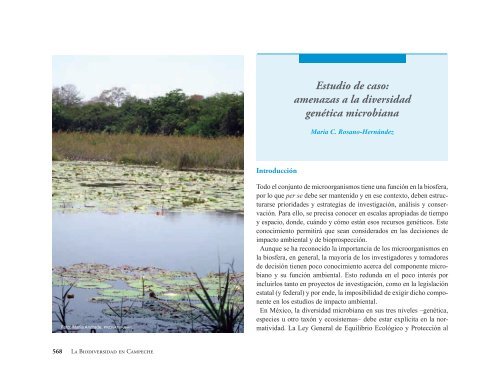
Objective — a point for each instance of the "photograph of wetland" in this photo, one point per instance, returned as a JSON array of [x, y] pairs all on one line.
[[147, 194]]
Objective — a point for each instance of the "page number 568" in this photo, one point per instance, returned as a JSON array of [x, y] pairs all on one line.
[[57, 351]]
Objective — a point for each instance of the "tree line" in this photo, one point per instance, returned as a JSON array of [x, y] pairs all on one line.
[[175, 113]]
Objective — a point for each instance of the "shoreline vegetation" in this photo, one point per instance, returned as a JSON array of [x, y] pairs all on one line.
[[168, 151], [173, 131]]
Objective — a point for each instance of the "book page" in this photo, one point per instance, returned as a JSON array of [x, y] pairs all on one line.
[[277, 193]]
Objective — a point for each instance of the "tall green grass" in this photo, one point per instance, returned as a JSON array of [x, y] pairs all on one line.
[[224, 314], [168, 151]]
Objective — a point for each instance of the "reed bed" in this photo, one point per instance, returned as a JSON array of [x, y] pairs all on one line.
[[174, 152]]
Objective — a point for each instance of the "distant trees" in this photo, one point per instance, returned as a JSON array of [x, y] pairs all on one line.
[[175, 113], [66, 95], [113, 97]]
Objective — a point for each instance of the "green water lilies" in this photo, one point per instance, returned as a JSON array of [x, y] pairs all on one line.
[[114, 294], [108, 187], [61, 281], [146, 286], [89, 284], [90, 272], [149, 293]]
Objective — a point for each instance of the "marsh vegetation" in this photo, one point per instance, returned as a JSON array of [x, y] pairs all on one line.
[[144, 299], [172, 152], [147, 196]]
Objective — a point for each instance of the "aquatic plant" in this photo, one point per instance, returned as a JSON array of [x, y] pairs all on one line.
[[164, 295], [120, 313], [92, 284], [111, 188], [168, 151], [224, 315], [115, 295], [62, 308]]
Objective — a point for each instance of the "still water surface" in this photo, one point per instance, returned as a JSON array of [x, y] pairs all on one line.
[[176, 241]]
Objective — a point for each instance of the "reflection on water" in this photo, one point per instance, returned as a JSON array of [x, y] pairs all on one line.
[[176, 241]]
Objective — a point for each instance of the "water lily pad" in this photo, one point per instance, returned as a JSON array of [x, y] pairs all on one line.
[[120, 293], [108, 187], [169, 295], [58, 280], [106, 299], [88, 284], [148, 286]]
